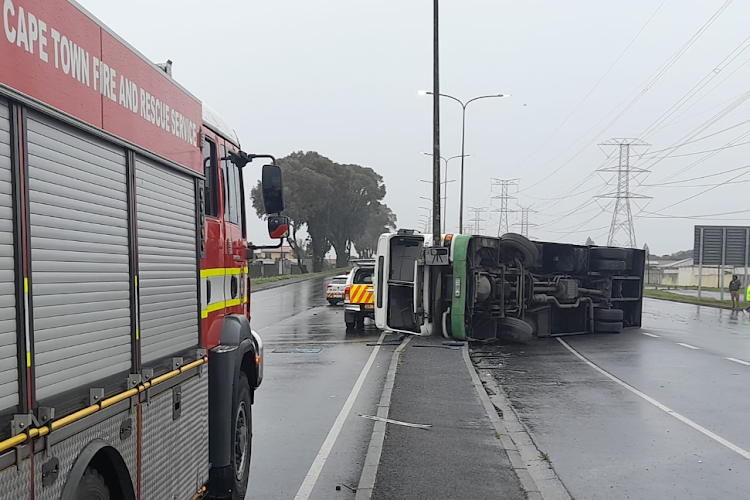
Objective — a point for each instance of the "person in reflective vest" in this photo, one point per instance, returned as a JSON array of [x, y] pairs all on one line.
[[748, 299]]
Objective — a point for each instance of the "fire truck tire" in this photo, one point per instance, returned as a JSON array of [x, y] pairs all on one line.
[[608, 314], [514, 329], [608, 265], [608, 326], [92, 486], [243, 438], [517, 245]]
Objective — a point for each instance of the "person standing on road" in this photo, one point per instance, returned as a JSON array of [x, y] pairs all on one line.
[[734, 291]]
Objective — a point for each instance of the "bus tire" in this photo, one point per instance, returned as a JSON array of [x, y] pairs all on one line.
[[242, 423], [516, 245], [514, 329], [608, 315], [92, 486]]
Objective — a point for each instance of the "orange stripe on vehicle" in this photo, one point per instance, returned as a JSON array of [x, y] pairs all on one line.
[[358, 292], [370, 297]]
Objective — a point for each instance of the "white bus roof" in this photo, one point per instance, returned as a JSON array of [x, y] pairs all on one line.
[[215, 122]]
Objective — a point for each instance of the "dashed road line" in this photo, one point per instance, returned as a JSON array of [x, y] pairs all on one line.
[[741, 452], [739, 361], [651, 335], [688, 346]]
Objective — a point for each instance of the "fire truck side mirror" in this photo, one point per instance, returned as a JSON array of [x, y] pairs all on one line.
[[278, 227], [273, 191]]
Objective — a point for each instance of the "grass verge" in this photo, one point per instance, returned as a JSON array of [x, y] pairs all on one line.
[[704, 301], [274, 279]]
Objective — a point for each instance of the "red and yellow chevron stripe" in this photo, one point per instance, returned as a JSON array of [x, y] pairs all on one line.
[[361, 294]]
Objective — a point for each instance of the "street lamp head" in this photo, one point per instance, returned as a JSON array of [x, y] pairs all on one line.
[[504, 95], [424, 92]]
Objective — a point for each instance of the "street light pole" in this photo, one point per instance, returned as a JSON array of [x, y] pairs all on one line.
[[464, 105], [436, 129]]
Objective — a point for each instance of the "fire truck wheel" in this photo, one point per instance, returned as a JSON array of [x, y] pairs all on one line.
[[608, 314], [243, 436], [608, 327], [92, 486]]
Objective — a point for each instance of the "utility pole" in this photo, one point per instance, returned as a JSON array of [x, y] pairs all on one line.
[[436, 130], [621, 230], [476, 222], [502, 185]]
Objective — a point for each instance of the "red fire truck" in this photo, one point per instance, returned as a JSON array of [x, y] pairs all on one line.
[[127, 362]]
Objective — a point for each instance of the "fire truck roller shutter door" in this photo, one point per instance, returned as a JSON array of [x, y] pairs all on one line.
[[79, 257], [8, 341], [167, 260]]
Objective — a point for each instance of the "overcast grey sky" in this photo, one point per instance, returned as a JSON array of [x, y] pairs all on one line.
[[341, 77]]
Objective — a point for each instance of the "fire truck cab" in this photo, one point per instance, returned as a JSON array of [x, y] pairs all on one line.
[[128, 366]]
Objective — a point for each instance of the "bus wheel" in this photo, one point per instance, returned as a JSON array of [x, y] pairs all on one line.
[[243, 435], [92, 486]]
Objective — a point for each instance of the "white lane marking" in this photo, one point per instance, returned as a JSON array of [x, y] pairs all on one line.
[[317, 466], [664, 408], [651, 335], [739, 361], [688, 346]]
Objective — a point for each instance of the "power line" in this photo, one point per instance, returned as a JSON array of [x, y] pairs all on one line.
[[647, 85], [715, 174], [697, 87], [596, 85]]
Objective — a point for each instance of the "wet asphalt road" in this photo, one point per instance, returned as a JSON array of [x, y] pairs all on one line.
[[302, 394], [606, 441]]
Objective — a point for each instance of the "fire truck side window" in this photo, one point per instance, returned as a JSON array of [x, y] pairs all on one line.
[[212, 185], [232, 194]]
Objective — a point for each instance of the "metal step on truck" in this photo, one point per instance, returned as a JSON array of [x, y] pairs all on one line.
[[128, 366], [506, 288]]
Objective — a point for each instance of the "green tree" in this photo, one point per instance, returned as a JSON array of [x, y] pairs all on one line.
[[382, 220], [335, 202], [306, 191]]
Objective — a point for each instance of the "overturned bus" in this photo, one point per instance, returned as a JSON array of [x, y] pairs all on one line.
[[507, 287]]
